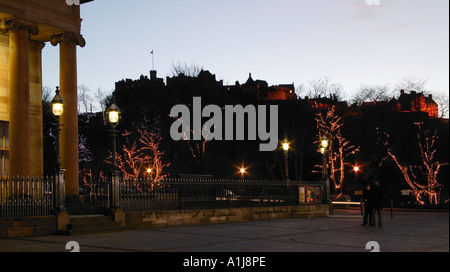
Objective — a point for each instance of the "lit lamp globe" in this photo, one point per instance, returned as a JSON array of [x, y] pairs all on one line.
[[286, 146], [57, 104], [324, 142], [113, 114]]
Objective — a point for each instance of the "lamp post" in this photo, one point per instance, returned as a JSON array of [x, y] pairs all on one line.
[[356, 170], [57, 110], [113, 115], [242, 171], [324, 143], [57, 104], [286, 159], [149, 174]]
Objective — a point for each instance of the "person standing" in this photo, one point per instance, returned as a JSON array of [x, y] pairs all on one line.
[[376, 200], [367, 208]]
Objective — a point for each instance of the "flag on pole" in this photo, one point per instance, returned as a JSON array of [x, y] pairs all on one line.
[[153, 60]]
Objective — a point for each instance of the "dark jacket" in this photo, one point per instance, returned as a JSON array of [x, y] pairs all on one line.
[[366, 199], [375, 197]]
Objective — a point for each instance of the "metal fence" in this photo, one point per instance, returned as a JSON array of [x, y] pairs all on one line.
[[23, 197], [198, 193], [95, 198]]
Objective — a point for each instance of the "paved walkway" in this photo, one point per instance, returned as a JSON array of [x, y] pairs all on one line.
[[406, 232]]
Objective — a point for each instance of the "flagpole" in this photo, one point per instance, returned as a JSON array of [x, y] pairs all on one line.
[[153, 61]]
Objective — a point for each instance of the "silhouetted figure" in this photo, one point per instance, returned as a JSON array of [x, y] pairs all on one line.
[[376, 200], [367, 208]]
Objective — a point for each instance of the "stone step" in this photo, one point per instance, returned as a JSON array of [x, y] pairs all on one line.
[[82, 219], [93, 224]]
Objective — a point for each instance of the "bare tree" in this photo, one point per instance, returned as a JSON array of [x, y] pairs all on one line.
[[443, 103], [191, 70], [103, 100], [136, 157], [131, 161], [100, 96], [428, 171], [321, 88], [412, 84], [83, 97], [142, 154], [198, 148], [47, 94], [339, 148], [368, 93], [150, 141], [300, 90]]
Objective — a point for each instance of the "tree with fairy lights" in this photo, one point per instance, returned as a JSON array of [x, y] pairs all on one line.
[[141, 156], [339, 147], [422, 178]]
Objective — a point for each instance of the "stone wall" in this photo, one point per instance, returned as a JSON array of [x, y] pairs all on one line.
[[48, 225], [197, 217], [29, 226]]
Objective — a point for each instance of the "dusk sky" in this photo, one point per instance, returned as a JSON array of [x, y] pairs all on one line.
[[282, 42]]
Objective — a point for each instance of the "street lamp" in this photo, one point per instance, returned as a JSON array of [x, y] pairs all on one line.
[[356, 169], [113, 115], [242, 171], [324, 143], [149, 173], [286, 146], [286, 157], [58, 110]]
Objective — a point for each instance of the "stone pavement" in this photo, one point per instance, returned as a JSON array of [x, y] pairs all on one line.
[[406, 232]]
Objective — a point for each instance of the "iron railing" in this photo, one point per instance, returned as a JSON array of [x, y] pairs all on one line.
[[24, 197], [199, 193], [95, 198]]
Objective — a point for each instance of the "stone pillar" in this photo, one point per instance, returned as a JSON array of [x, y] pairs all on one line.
[[116, 212], [69, 131], [19, 89], [36, 111]]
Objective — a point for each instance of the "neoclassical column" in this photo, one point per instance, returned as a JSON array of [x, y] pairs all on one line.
[[68, 43], [19, 89], [36, 110]]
